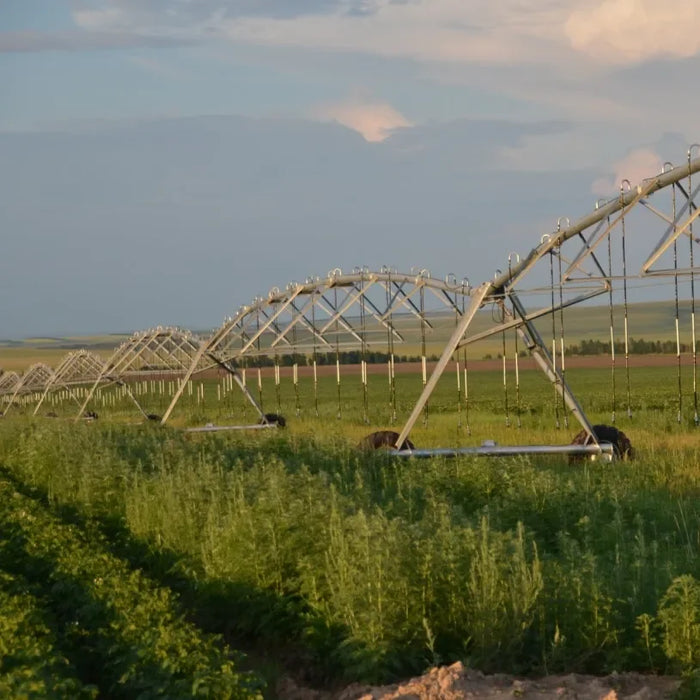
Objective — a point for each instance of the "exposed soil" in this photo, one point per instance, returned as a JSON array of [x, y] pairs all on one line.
[[457, 683]]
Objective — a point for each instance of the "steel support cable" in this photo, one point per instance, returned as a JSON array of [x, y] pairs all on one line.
[[515, 353], [257, 343], [295, 374], [518, 411], [562, 343], [314, 355], [337, 351], [696, 417], [554, 337], [457, 368], [243, 372], [465, 376], [424, 366], [278, 385], [659, 182], [625, 310], [504, 354], [675, 289], [363, 353], [612, 327], [390, 352]]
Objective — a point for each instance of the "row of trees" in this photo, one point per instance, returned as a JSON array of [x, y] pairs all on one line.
[[637, 346]]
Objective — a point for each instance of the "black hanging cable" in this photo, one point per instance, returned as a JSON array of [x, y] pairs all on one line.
[[363, 358], [424, 367], [465, 362], [626, 315], [696, 416], [465, 370], [456, 360], [516, 359], [504, 354], [259, 360], [244, 363], [295, 373], [337, 351], [278, 383], [562, 343], [612, 325], [675, 287], [314, 360], [390, 352], [554, 337]]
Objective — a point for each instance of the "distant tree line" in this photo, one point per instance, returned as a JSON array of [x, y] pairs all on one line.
[[637, 346], [346, 357]]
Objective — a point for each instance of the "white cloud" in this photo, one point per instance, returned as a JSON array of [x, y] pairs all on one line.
[[508, 32], [631, 31], [434, 30], [374, 120], [109, 17], [634, 167], [551, 58]]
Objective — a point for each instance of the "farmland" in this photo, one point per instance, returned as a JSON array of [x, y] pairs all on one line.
[[647, 320], [350, 566]]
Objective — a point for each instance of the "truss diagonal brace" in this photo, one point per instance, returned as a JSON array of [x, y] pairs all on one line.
[[538, 349], [476, 301]]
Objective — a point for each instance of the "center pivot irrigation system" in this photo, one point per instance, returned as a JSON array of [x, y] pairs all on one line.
[[642, 236]]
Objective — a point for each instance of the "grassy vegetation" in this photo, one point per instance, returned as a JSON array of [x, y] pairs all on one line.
[[79, 622], [357, 565]]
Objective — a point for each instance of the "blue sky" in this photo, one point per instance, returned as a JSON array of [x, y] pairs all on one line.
[[177, 157]]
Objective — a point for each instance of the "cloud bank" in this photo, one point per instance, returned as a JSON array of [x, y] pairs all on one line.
[[511, 31], [632, 31], [374, 120]]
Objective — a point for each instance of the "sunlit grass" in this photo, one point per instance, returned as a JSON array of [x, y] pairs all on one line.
[[384, 566]]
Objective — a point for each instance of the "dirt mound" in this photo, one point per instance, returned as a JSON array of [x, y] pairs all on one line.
[[458, 683]]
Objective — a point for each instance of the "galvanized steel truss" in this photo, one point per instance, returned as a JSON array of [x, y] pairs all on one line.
[[8, 381], [369, 310], [577, 252], [363, 310], [76, 369], [32, 381]]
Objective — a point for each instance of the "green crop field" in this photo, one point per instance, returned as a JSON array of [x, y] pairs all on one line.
[[343, 565]]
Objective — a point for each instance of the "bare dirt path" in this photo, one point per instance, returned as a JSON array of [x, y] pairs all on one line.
[[458, 683]]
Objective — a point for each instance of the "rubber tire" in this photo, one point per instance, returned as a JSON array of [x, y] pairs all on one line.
[[622, 446], [383, 440]]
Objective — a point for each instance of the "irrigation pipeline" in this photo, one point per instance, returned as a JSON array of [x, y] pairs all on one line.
[[670, 177], [604, 451]]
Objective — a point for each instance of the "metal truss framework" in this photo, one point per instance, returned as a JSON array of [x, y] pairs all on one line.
[[76, 369], [362, 310], [352, 311], [8, 381], [366, 310], [160, 351], [33, 380], [578, 252]]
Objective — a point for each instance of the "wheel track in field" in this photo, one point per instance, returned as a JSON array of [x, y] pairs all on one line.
[[264, 625], [120, 633]]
